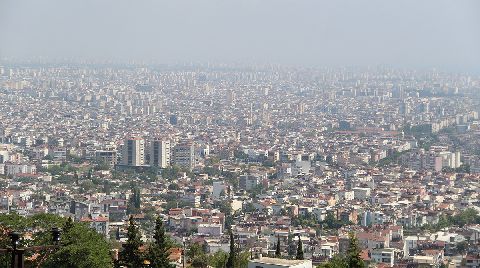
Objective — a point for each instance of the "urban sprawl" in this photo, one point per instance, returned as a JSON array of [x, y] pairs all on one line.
[[278, 160]]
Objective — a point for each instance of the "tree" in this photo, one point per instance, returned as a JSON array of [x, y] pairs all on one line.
[[353, 254], [299, 249], [351, 260], [196, 254], [278, 252], [134, 202], [86, 186], [291, 245], [465, 217], [158, 250], [173, 186], [107, 188], [101, 165], [131, 253], [240, 154], [82, 247], [231, 255], [249, 207], [14, 222], [225, 207], [338, 261], [171, 173], [218, 259], [200, 262], [137, 200], [242, 259], [333, 223], [194, 250], [68, 225], [462, 247], [75, 177]]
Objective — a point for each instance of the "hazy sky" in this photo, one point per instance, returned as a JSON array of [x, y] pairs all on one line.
[[404, 33]]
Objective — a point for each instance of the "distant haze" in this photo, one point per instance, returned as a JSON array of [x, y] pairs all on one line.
[[403, 33]]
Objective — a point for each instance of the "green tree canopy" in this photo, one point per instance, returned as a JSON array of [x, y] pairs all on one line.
[[351, 260], [80, 245], [218, 259], [131, 256], [278, 251], [158, 250], [299, 255], [231, 255], [353, 254]]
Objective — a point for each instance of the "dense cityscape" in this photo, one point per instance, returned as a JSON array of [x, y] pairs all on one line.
[[209, 165]]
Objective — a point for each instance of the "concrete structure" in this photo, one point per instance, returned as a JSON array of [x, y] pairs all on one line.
[[248, 182], [218, 188], [100, 224], [210, 229], [264, 262], [108, 157], [184, 155], [160, 153], [133, 153], [12, 169], [385, 255]]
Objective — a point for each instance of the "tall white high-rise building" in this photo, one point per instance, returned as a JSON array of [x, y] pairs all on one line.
[[230, 97], [160, 153], [184, 155], [133, 153]]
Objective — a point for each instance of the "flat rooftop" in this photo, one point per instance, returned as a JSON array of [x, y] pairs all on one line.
[[280, 262]]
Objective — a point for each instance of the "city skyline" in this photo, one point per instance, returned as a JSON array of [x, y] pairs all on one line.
[[404, 34]]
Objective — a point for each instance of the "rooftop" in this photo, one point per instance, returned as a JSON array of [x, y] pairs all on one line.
[[279, 262]]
